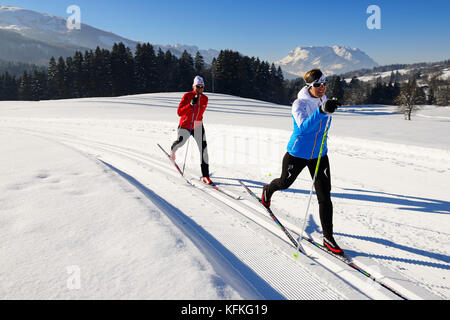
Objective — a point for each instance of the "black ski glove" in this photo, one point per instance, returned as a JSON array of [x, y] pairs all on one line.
[[194, 101], [330, 106]]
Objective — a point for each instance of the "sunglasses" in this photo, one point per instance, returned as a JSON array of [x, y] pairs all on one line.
[[319, 84], [200, 87]]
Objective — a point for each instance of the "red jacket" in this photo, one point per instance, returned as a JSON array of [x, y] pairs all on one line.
[[185, 111]]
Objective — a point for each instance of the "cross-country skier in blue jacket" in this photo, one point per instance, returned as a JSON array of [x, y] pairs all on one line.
[[309, 112]]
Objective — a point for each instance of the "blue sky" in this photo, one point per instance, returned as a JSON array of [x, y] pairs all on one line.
[[411, 30]]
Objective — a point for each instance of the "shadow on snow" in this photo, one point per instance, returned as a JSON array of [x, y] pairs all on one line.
[[234, 272], [404, 202], [412, 203]]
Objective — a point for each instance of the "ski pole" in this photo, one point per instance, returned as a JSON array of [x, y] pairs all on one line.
[[314, 180]]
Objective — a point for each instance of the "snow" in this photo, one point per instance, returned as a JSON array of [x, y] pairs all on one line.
[[445, 74], [87, 195], [330, 60], [376, 75], [61, 209]]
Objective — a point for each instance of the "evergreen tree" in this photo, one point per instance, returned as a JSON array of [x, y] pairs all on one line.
[[377, 93], [69, 79], [245, 77], [431, 99], [89, 79], [79, 89], [354, 93], [276, 87], [102, 72], [199, 64], [25, 89], [122, 65], [169, 79], [2, 86], [213, 75], [39, 85], [336, 88], [439, 91], [394, 91], [161, 71], [261, 80], [146, 71], [226, 72], [443, 94], [52, 79], [60, 78], [9, 88], [392, 78], [185, 71], [139, 65]]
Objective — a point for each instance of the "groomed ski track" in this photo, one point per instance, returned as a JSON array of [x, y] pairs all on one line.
[[239, 239]]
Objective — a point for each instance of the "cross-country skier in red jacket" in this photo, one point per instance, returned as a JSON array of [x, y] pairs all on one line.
[[190, 111]]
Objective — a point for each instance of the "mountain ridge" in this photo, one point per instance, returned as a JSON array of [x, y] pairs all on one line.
[[331, 60], [52, 34]]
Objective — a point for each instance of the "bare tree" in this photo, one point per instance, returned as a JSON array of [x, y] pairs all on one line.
[[410, 97]]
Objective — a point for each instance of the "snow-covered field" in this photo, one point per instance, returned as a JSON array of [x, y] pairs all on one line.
[[91, 209]]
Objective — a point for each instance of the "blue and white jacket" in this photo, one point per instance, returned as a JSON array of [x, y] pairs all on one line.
[[309, 126]]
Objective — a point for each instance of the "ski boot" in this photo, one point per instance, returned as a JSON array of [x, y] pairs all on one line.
[[207, 181], [332, 246], [264, 199]]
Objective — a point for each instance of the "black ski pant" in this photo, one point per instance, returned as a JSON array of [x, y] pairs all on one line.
[[292, 166], [200, 138]]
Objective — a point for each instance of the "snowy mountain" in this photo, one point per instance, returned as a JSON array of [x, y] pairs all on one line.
[[17, 48], [331, 60], [45, 35]]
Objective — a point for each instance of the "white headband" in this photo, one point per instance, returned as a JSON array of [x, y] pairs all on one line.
[[321, 79]]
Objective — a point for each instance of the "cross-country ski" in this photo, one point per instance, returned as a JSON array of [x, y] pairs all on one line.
[[192, 181], [297, 245]]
